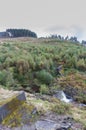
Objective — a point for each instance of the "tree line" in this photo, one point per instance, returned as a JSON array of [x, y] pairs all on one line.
[[21, 33], [67, 38]]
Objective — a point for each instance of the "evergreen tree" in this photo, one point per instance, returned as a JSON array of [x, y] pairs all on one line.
[[21, 33]]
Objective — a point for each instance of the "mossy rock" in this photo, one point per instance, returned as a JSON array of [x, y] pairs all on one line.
[[16, 112]]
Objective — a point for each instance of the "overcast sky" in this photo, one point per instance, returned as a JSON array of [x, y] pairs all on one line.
[[65, 17]]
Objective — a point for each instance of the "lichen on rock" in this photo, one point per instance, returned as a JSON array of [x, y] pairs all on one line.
[[20, 116], [16, 111]]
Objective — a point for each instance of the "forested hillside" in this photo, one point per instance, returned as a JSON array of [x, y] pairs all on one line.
[[32, 66]]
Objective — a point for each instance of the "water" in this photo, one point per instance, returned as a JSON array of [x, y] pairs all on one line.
[[82, 105], [63, 97]]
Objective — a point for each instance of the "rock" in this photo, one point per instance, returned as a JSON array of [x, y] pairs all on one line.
[[4, 128], [66, 126], [18, 112], [51, 125], [70, 90], [11, 104], [46, 125], [58, 70], [77, 126], [15, 111], [82, 105], [25, 127]]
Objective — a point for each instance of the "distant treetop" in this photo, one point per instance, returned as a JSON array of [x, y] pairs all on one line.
[[59, 37], [21, 33]]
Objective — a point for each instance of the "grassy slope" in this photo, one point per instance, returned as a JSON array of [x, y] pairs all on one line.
[[22, 61], [59, 108], [33, 62]]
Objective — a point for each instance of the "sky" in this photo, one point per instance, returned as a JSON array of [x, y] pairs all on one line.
[[45, 17]]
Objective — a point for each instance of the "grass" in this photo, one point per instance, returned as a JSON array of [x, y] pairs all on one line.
[[79, 114], [25, 63], [59, 108], [31, 64]]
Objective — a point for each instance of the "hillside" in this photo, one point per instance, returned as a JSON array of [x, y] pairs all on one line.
[[43, 67], [31, 63]]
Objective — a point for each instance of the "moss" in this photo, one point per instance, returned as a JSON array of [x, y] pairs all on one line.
[[8, 100], [21, 115], [78, 114], [18, 112]]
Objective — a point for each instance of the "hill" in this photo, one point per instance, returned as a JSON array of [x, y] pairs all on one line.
[[30, 64], [43, 67]]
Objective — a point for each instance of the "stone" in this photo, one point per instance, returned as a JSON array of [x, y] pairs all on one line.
[[66, 126], [4, 128], [46, 125], [19, 112], [11, 104], [25, 127]]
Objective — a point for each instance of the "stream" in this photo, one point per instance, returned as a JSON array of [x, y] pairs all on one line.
[[63, 97], [66, 98], [50, 121]]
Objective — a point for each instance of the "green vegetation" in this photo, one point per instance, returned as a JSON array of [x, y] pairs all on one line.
[[51, 104], [32, 65]]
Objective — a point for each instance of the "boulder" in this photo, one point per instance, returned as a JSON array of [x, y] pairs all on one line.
[[51, 125], [46, 125], [11, 104]]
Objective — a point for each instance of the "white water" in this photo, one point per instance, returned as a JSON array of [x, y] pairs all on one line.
[[82, 105], [62, 96]]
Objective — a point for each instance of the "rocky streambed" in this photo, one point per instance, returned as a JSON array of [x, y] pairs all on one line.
[[40, 114], [49, 122]]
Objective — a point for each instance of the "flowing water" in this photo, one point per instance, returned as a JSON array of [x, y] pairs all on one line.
[[63, 97]]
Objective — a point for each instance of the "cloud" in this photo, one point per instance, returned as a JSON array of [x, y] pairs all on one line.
[[55, 28]]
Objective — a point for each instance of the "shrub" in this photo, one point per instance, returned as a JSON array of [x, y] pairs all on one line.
[[44, 77], [81, 65], [44, 89], [22, 66], [6, 78]]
